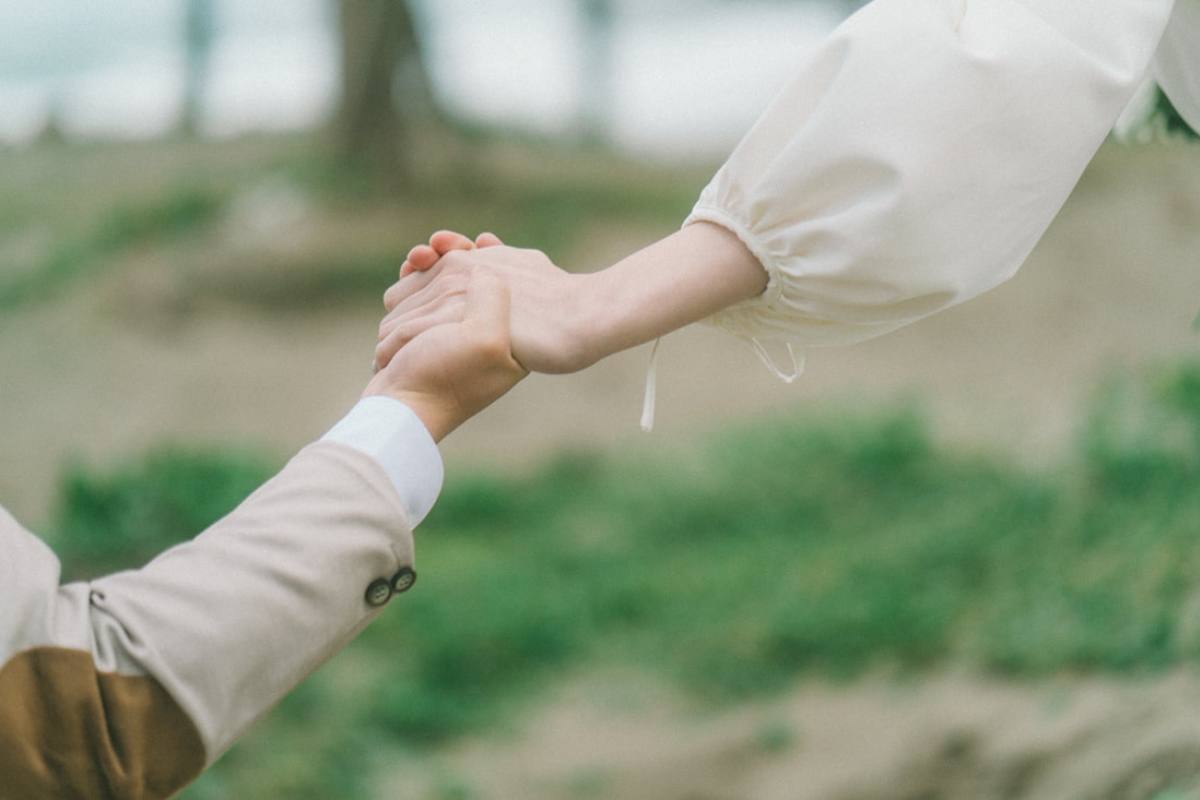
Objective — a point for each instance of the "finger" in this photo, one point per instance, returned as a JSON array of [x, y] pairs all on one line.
[[403, 333], [422, 257], [488, 240], [412, 284], [419, 259], [394, 322], [444, 241], [429, 300]]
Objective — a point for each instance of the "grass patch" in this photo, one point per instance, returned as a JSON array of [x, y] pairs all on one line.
[[97, 205], [126, 227], [122, 518]]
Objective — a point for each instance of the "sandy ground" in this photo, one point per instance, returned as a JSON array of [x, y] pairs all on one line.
[[946, 737], [122, 363]]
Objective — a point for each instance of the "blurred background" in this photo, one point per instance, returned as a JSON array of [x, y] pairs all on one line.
[[957, 561], [667, 77]]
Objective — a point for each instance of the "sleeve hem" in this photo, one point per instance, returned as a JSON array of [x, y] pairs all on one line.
[[717, 216], [392, 434]]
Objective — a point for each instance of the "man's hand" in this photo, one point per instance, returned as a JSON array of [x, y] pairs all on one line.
[[459, 362], [552, 310]]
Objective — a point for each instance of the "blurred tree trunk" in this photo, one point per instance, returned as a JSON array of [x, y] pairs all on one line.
[[596, 90], [199, 29], [385, 88]]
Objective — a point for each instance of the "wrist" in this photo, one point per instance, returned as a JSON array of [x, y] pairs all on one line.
[[598, 326], [678, 280], [567, 326], [431, 410]]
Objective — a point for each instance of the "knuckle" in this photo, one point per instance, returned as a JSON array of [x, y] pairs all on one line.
[[386, 327], [451, 285], [403, 333], [456, 260], [391, 297], [493, 345], [395, 337]]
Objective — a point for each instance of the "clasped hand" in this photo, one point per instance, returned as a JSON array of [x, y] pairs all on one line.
[[550, 317], [457, 368], [560, 321]]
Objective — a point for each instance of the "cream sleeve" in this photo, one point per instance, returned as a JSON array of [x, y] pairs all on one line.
[[920, 154]]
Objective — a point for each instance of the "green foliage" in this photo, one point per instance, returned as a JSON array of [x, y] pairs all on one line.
[[791, 548], [1172, 119], [177, 213], [281, 288], [781, 550], [113, 521], [776, 736], [94, 210]]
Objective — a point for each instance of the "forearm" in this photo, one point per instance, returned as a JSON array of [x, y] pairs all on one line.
[[678, 280]]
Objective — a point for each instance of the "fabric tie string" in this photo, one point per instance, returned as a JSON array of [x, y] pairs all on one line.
[[648, 403]]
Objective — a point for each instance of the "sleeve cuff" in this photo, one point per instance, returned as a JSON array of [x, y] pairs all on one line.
[[392, 434]]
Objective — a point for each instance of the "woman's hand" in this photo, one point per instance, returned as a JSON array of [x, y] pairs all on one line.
[[550, 307]]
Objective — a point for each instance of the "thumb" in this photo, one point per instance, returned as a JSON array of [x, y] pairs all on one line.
[[488, 240]]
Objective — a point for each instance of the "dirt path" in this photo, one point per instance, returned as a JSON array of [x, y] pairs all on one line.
[[948, 736]]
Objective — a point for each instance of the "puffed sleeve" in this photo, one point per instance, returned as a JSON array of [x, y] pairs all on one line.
[[920, 154], [1177, 63]]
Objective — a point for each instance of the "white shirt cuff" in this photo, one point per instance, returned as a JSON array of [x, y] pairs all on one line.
[[392, 434]]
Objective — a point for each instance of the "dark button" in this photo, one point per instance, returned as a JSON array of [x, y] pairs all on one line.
[[403, 580], [379, 592]]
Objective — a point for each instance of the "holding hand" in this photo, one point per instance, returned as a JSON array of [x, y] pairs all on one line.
[[551, 320], [563, 322], [451, 371]]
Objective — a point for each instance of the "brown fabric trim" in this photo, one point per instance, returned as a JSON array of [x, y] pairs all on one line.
[[67, 731]]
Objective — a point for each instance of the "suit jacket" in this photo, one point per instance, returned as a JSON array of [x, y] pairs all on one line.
[[129, 686]]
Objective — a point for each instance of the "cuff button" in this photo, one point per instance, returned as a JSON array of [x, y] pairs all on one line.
[[379, 592], [403, 580]]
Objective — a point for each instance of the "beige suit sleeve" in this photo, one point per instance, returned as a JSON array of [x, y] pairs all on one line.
[[130, 685]]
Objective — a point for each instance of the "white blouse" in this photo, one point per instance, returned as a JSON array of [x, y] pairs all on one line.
[[920, 154]]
